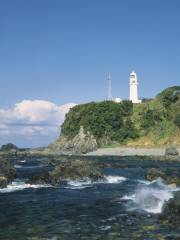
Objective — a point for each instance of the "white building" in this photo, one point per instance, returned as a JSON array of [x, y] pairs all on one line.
[[117, 100], [133, 82]]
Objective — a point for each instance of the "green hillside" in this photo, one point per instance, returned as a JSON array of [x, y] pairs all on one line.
[[153, 122]]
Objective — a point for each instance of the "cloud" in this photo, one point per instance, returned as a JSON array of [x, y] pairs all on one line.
[[32, 117]]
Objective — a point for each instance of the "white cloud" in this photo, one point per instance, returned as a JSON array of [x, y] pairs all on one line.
[[32, 117]]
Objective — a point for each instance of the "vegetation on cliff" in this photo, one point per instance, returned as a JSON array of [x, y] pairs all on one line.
[[155, 121], [106, 121], [158, 120]]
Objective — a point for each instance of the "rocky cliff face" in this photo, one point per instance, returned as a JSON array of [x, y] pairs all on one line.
[[81, 143]]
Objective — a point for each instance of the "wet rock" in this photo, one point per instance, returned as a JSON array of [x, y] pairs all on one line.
[[7, 172], [75, 170], [154, 173], [171, 210], [3, 181]]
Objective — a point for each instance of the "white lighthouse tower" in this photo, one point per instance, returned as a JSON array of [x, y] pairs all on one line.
[[133, 82]]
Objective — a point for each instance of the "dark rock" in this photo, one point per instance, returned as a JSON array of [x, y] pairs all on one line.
[[171, 151], [7, 172], [9, 147], [155, 173], [75, 170], [41, 178], [171, 210]]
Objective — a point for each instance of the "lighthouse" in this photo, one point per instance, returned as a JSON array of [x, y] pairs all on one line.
[[133, 83]]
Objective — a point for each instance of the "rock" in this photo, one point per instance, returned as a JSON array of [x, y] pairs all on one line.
[[154, 173], [171, 210], [75, 170], [40, 178], [173, 185], [171, 151], [3, 181], [69, 170], [80, 144], [7, 172]]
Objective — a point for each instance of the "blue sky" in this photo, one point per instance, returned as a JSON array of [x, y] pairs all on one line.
[[60, 51]]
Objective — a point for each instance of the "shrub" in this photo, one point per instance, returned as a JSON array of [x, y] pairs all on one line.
[[177, 120], [104, 120]]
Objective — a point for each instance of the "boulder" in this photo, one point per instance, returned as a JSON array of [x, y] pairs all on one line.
[[154, 173], [69, 170], [3, 181], [171, 151], [171, 210], [75, 170]]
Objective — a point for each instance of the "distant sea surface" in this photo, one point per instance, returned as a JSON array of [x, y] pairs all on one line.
[[122, 206]]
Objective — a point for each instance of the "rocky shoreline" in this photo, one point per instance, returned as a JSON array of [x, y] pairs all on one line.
[[158, 153], [90, 167], [131, 151]]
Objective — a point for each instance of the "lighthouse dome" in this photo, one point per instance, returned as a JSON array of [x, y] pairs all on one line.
[[133, 73]]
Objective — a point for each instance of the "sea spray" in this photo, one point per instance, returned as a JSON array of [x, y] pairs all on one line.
[[149, 196]]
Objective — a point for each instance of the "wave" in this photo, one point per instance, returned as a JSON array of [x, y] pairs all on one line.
[[79, 184], [150, 197], [18, 185], [87, 182]]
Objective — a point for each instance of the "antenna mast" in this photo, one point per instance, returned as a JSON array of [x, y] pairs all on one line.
[[110, 98]]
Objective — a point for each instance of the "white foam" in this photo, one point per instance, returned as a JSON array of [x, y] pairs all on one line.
[[105, 228], [150, 197], [144, 182], [18, 185], [129, 197], [17, 166], [79, 184], [22, 161], [114, 179], [87, 182]]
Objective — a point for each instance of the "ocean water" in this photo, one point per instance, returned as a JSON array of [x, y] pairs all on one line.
[[122, 206]]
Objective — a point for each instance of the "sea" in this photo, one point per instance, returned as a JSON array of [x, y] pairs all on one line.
[[124, 205]]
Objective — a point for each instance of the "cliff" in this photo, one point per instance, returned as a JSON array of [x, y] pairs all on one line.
[[151, 123]]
